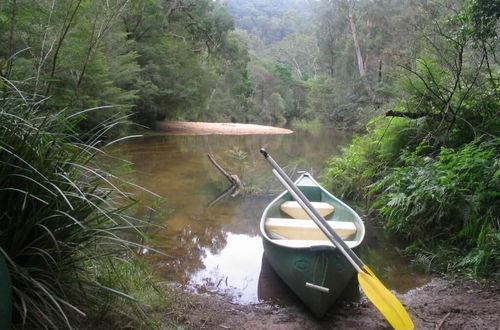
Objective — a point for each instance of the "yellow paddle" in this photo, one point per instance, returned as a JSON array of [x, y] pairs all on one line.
[[388, 305]]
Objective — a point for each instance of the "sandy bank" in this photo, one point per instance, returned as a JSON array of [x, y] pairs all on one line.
[[204, 128]]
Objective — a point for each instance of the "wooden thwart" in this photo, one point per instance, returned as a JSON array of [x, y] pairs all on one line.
[[293, 209], [302, 229], [299, 243]]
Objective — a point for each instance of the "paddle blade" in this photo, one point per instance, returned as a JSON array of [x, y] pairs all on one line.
[[384, 300]]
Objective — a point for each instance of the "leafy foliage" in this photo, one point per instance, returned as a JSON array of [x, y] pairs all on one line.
[[270, 21], [452, 199], [169, 84], [369, 157], [156, 59], [433, 171], [63, 217]]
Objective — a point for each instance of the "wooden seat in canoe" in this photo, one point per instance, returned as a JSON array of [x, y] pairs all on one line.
[[293, 209], [302, 229], [295, 243]]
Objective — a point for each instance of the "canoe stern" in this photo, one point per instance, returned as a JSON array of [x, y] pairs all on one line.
[[322, 266]]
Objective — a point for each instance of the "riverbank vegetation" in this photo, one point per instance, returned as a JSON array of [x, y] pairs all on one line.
[[268, 62], [430, 166], [272, 62], [66, 231]]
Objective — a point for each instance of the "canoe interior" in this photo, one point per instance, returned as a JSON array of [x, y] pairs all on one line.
[[315, 193]]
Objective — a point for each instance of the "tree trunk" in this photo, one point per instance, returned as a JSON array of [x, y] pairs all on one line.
[[99, 31], [380, 70], [70, 16], [209, 102], [11, 38], [359, 57], [44, 54]]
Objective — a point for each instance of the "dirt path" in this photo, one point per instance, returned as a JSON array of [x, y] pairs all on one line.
[[202, 128], [439, 304]]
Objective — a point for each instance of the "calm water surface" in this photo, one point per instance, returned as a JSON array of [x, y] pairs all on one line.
[[217, 248]]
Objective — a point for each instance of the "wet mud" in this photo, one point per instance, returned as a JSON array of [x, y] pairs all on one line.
[[440, 304]]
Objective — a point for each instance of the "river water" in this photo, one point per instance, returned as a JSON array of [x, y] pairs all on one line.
[[216, 247]]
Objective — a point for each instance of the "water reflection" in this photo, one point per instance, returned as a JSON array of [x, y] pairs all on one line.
[[218, 249], [232, 271]]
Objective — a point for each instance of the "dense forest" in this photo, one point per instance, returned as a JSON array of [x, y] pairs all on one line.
[[417, 80], [248, 61]]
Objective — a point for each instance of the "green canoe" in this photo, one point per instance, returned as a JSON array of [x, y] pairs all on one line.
[[300, 253]]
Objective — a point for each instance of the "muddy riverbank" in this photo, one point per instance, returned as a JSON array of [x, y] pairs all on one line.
[[440, 304]]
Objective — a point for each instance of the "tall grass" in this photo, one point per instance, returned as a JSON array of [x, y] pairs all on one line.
[[62, 216]]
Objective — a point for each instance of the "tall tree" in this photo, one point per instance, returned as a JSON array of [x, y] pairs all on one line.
[[357, 48], [70, 12]]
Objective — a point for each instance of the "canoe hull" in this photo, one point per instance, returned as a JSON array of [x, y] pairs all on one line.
[[325, 267]]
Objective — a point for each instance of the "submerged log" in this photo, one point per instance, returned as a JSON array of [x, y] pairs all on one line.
[[235, 181], [233, 178]]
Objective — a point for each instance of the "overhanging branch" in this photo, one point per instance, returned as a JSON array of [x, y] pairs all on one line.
[[405, 114]]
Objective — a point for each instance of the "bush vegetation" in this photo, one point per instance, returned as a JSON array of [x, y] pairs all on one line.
[[450, 201], [438, 200], [430, 165], [65, 232]]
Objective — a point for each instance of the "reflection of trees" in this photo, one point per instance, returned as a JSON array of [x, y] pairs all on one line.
[[162, 161], [206, 232], [188, 247], [177, 168]]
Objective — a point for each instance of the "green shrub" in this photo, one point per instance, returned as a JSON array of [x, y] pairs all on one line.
[[451, 200], [444, 202], [433, 167], [62, 216], [368, 156], [137, 279]]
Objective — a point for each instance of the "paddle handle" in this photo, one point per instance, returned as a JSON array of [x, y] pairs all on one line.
[[313, 213]]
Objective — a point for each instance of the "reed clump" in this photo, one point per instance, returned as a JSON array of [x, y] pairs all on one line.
[[64, 229]]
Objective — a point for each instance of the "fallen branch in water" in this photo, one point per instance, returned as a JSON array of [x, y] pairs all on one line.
[[235, 181], [232, 190], [233, 178]]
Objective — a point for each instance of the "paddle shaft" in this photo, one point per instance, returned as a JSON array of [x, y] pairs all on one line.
[[314, 214]]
